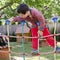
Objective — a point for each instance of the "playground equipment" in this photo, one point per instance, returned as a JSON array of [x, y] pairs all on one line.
[[22, 23]]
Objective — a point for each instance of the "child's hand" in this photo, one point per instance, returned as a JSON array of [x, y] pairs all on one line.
[[11, 19], [29, 24], [40, 33]]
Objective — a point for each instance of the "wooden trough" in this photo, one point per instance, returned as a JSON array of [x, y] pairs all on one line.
[[4, 53]]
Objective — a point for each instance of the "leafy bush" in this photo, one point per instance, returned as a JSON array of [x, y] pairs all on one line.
[[13, 39], [0, 23], [57, 37], [59, 21]]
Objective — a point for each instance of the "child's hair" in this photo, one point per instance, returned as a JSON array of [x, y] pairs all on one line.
[[22, 8]]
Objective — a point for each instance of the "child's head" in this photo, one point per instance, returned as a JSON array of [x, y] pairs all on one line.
[[23, 10]]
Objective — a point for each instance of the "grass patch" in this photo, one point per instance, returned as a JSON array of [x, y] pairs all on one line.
[[17, 47]]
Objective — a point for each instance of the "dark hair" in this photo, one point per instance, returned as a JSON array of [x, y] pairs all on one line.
[[22, 8]]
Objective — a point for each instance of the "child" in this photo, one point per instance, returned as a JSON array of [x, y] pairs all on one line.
[[31, 15]]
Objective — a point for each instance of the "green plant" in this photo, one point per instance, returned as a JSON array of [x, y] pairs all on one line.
[[55, 33], [13, 39], [0, 23], [59, 21], [13, 23]]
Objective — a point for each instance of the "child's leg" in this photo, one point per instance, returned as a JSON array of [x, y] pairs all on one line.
[[34, 40], [50, 40]]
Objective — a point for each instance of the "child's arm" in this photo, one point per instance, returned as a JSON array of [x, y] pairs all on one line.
[[16, 19]]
